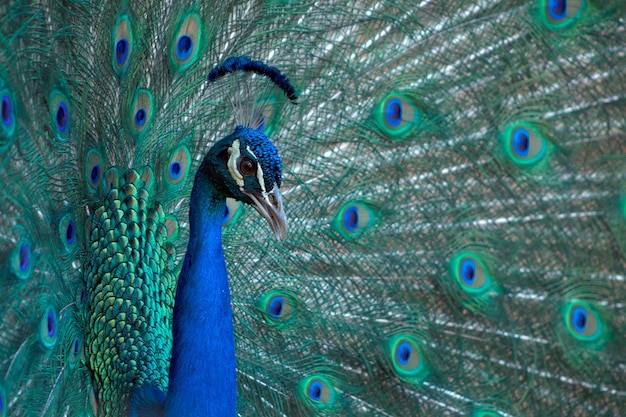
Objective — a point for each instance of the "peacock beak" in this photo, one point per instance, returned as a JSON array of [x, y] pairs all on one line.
[[270, 206]]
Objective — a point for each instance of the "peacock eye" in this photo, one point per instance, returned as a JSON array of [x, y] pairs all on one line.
[[247, 167]]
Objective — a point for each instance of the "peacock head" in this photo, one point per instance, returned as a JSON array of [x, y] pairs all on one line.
[[245, 166]]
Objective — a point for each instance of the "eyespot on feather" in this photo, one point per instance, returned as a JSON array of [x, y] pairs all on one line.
[[141, 115], [583, 322], [59, 108], [93, 169], [122, 45], [397, 116], [470, 273], [524, 144], [8, 115], [317, 392], [278, 307], [67, 232], [75, 352], [22, 260], [355, 218], [560, 14], [49, 327], [407, 359], [178, 166], [185, 45]]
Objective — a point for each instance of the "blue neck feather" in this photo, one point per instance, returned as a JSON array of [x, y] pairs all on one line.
[[202, 371]]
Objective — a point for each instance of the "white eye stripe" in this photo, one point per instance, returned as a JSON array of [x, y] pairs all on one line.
[[259, 173], [233, 167], [234, 155]]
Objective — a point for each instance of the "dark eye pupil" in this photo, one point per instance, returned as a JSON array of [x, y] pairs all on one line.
[[247, 167]]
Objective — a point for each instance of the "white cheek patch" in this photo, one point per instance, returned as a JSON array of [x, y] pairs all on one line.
[[259, 173], [234, 155], [233, 158]]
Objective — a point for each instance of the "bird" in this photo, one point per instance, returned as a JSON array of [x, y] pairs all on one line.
[[333, 208]]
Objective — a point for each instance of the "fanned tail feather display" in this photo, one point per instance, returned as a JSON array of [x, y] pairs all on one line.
[[453, 180]]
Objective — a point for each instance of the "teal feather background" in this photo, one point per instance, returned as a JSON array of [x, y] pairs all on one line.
[[454, 182]]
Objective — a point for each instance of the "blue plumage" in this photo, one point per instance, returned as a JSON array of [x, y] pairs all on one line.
[[202, 370]]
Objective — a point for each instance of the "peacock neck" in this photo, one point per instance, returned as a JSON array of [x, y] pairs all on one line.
[[202, 370]]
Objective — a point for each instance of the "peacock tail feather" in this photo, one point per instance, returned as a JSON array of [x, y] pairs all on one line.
[[454, 178]]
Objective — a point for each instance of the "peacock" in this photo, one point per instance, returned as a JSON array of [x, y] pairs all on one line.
[[313, 208]]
